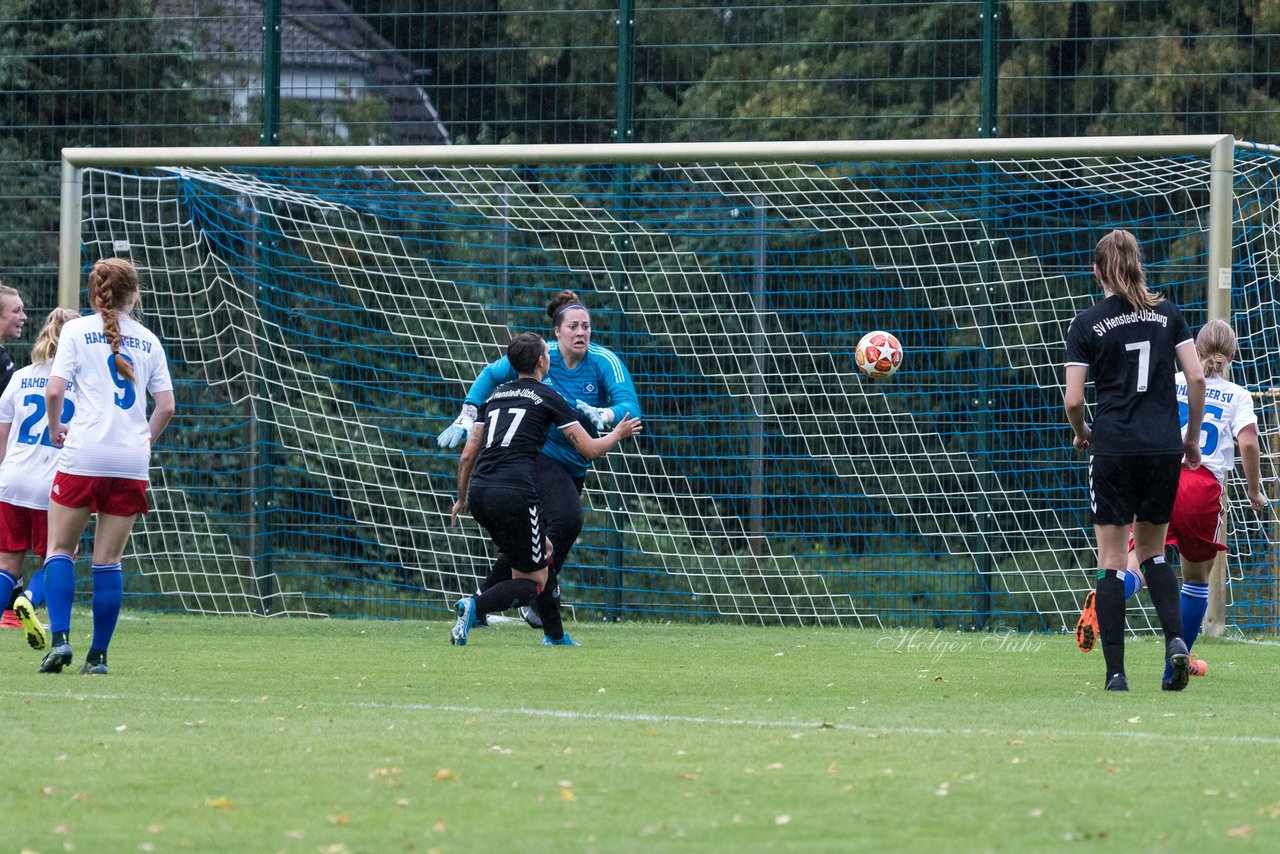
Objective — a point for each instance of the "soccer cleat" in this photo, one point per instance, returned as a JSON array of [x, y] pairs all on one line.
[[466, 609], [56, 659], [9, 620], [1087, 625], [563, 641], [1178, 659], [37, 636], [94, 668], [1118, 683], [531, 616], [1197, 666]]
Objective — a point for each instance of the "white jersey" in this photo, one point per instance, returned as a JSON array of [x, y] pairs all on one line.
[[30, 459], [1228, 409], [110, 436]]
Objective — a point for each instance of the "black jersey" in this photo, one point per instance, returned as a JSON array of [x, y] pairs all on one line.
[[516, 418], [1131, 359], [7, 368]]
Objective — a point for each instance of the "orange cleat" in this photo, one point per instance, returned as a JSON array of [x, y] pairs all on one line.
[[1197, 666], [9, 620], [1087, 625]]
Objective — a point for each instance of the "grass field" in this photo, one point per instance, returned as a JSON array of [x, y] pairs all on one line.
[[235, 734]]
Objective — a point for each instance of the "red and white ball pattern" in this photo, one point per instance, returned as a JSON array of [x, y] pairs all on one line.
[[878, 355]]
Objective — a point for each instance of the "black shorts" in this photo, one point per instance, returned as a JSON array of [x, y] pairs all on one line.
[[514, 522], [1134, 488]]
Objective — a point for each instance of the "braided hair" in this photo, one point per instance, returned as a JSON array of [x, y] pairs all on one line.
[[111, 282]]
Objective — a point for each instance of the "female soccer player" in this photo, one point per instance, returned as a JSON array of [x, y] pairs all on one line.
[[1129, 343], [1197, 526], [499, 485], [27, 462], [595, 379], [13, 317], [114, 362]]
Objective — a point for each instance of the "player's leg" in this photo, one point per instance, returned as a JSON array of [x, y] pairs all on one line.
[[514, 522], [111, 534], [1109, 602], [561, 499], [1198, 527], [66, 524], [1112, 492], [15, 538], [1149, 534]]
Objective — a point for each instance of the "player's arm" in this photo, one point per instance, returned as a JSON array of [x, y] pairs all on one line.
[[593, 448], [161, 411], [55, 395], [618, 393], [493, 375], [1251, 457], [1193, 372], [466, 463], [1073, 402], [6, 423]]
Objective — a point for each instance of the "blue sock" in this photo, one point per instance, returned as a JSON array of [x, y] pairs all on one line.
[[1132, 583], [35, 588], [7, 583], [108, 593], [59, 590], [1194, 601]]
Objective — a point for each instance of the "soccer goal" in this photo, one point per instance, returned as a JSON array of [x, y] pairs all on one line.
[[326, 309]]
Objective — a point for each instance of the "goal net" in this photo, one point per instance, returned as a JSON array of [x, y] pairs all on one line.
[[324, 322]]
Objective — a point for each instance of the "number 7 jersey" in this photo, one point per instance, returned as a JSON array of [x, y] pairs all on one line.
[[1131, 360], [110, 436]]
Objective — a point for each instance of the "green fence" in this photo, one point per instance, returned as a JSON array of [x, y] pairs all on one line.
[[244, 72]]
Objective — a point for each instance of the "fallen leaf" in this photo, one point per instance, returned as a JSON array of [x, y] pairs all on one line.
[[340, 818], [1243, 832], [567, 795], [1135, 719], [444, 774], [221, 802], [782, 819]]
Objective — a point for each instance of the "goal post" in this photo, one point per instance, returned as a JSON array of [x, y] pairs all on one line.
[[327, 307]]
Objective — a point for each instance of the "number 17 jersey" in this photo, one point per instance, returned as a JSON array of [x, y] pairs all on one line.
[[1131, 360], [110, 436]]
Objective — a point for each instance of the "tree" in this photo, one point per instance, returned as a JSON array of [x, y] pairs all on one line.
[[81, 73]]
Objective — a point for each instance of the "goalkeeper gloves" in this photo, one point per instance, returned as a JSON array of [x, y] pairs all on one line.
[[600, 417], [456, 433]]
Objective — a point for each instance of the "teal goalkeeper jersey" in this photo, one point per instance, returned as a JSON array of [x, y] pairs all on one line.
[[600, 380]]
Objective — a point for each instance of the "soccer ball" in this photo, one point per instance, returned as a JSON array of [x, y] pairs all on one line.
[[878, 355]]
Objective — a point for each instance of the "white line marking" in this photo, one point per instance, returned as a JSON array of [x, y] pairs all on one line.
[[648, 718]]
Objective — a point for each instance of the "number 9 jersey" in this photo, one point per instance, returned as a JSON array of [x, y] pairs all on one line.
[[30, 459], [110, 436]]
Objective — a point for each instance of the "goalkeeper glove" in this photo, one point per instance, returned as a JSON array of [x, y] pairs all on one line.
[[600, 418], [456, 433]]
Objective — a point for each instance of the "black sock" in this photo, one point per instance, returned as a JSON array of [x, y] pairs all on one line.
[[13, 600], [1163, 589], [61, 638], [1109, 605], [548, 605], [96, 656], [511, 593], [498, 573]]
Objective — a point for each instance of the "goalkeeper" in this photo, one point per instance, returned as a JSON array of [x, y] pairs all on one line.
[[592, 380]]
